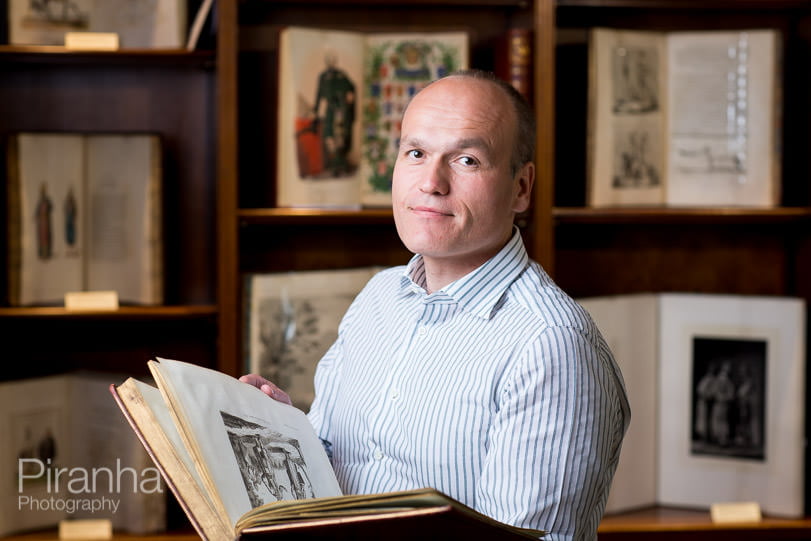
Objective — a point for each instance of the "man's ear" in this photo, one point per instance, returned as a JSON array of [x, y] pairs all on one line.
[[522, 183]]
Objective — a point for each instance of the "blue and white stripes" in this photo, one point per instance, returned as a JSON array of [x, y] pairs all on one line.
[[497, 390]]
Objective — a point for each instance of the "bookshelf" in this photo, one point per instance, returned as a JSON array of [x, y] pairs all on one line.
[[716, 250]]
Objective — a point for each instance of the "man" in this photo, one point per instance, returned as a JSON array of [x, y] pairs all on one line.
[[469, 370]]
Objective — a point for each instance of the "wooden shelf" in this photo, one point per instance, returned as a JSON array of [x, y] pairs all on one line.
[[688, 4], [55, 54], [650, 215], [279, 216], [671, 523], [122, 313], [53, 535]]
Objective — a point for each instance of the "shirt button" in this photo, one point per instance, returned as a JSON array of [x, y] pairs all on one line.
[[378, 454], [422, 330], [394, 394]]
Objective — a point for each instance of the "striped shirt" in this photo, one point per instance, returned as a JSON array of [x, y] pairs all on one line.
[[497, 390]]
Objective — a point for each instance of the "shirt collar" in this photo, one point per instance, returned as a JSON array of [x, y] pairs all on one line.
[[479, 291]]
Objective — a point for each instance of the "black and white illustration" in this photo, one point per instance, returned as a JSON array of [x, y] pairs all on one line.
[[636, 157], [293, 320], [272, 465], [729, 397], [294, 333], [635, 83], [35, 441]]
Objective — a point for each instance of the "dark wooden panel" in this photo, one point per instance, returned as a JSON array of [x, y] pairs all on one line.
[[36, 347], [627, 258], [312, 246], [146, 93]]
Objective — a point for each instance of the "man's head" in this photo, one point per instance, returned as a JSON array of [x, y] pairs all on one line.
[[463, 170]]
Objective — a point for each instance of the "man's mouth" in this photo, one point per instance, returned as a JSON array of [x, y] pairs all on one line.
[[429, 211]]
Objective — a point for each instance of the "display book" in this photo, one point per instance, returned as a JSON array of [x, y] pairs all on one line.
[[716, 387], [687, 118], [138, 25], [292, 320], [243, 466], [341, 97], [84, 213], [68, 454]]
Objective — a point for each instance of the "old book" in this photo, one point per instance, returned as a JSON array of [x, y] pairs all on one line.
[[84, 213], [684, 118], [292, 320], [514, 60], [243, 465], [716, 386], [158, 24], [70, 455], [341, 97]]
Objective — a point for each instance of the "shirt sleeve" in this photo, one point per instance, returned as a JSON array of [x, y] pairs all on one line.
[[554, 445], [327, 381]]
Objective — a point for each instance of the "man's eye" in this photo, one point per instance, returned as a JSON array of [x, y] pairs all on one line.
[[468, 161], [414, 153]]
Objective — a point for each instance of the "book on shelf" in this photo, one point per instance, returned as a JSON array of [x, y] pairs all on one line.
[[684, 118], [292, 320], [514, 60], [156, 24], [245, 466], [716, 386], [84, 213], [68, 454], [341, 98]]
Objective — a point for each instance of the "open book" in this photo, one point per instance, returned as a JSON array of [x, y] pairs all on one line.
[[684, 118], [341, 97], [244, 465], [84, 214]]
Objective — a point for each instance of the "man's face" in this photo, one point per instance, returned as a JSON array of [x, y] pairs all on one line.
[[453, 193]]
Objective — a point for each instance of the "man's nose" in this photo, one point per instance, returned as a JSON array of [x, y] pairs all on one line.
[[436, 179]]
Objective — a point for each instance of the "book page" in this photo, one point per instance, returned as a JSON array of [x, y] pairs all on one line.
[[48, 208], [34, 421], [318, 143], [629, 324], [249, 448], [626, 120], [133, 496], [124, 220], [149, 415], [732, 394], [722, 123], [141, 24]]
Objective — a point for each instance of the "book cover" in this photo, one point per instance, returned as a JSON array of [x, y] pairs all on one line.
[[292, 321], [85, 213], [141, 24], [244, 465], [69, 454], [716, 386], [341, 98], [684, 118]]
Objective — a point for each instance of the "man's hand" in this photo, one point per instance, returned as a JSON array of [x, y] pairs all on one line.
[[267, 387]]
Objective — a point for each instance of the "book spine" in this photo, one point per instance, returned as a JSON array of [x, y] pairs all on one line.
[[514, 61]]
